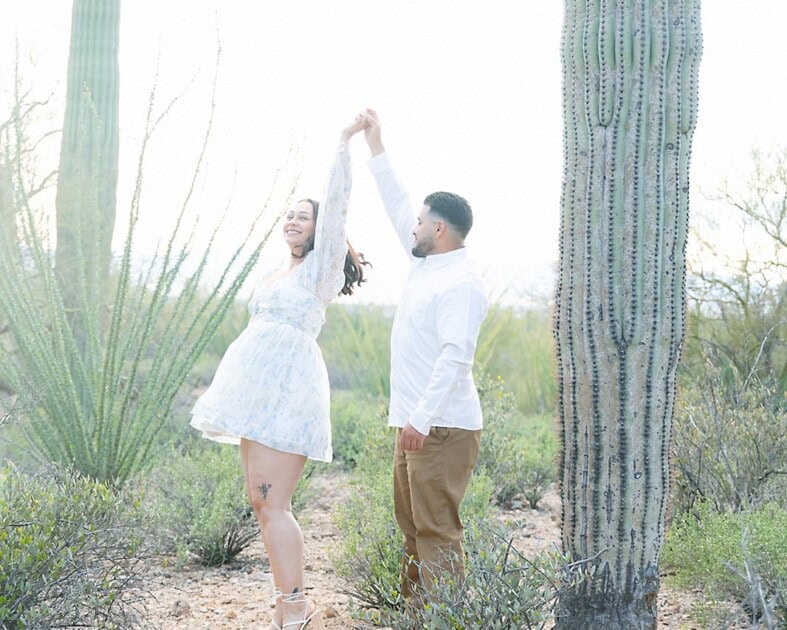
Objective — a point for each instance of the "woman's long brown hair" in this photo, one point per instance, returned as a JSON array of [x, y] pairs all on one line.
[[354, 262]]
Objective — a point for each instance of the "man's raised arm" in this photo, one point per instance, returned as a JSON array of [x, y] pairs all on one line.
[[395, 198]]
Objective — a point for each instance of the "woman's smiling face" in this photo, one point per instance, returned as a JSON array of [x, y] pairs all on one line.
[[299, 227]]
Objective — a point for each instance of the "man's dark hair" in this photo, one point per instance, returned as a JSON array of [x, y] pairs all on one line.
[[453, 209]]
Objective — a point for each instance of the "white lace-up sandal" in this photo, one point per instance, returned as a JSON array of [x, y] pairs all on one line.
[[276, 598], [296, 606]]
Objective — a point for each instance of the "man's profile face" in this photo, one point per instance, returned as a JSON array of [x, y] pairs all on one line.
[[423, 234]]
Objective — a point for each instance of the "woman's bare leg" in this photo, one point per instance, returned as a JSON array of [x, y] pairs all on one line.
[[271, 479], [244, 458]]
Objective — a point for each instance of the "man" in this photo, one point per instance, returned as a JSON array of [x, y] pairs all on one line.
[[434, 403]]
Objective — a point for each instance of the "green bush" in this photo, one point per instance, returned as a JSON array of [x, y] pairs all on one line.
[[738, 298], [196, 503], [730, 439], [516, 453], [355, 342], [538, 467], [743, 555], [497, 442], [359, 425], [70, 552], [197, 506], [370, 554], [519, 467], [502, 588], [519, 345], [502, 461]]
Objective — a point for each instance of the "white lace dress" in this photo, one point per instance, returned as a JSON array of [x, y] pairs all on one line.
[[271, 385]]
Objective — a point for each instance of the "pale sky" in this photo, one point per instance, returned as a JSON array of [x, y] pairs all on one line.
[[468, 94]]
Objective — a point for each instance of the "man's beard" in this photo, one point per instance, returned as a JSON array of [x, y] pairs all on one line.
[[423, 248]]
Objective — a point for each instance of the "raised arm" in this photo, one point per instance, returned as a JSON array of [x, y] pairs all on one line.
[[395, 198], [330, 241]]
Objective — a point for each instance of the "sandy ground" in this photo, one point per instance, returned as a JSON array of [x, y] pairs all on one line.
[[238, 595]]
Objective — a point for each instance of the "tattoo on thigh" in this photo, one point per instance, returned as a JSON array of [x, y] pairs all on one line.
[[264, 489]]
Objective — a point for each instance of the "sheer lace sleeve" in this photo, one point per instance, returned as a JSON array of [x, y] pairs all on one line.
[[326, 267]]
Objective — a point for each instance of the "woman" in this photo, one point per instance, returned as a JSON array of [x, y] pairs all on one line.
[[270, 393]]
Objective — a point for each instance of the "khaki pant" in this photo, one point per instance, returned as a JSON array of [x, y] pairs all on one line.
[[429, 486]]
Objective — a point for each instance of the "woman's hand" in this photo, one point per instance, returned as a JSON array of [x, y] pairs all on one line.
[[350, 130]]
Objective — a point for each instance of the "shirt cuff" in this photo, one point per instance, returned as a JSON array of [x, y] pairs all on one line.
[[421, 422], [379, 163]]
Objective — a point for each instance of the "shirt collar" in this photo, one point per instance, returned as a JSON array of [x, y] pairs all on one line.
[[435, 261]]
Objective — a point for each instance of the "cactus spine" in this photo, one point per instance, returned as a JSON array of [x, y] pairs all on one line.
[[630, 103], [88, 172]]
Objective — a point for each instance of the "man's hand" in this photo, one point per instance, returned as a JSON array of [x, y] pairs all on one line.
[[411, 439], [372, 132], [350, 130]]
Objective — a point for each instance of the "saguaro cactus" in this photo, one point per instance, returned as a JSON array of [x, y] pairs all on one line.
[[87, 180], [630, 103]]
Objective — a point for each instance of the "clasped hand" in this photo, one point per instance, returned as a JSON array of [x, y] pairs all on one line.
[[369, 122], [350, 130]]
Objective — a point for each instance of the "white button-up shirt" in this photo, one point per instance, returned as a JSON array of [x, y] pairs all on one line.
[[435, 329]]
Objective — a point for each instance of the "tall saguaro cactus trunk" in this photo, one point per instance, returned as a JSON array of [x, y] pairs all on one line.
[[88, 173], [630, 103]]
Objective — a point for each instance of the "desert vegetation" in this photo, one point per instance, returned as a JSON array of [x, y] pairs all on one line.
[[102, 356]]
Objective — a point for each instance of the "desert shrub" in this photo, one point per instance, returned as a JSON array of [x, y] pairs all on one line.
[[538, 466], [70, 552], [497, 442], [730, 439], [516, 456], [370, 553], [519, 467], [738, 296], [304, 493], [743, 555], [502, 588], [519, 345], [359, 426], [197, 506], [351, 332]]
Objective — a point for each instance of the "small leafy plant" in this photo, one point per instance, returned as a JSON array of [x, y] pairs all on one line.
[[197, 506], [70, 552]]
